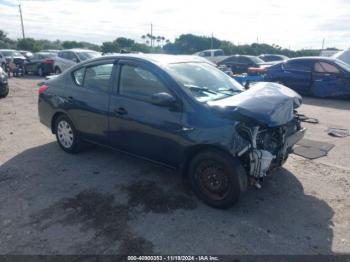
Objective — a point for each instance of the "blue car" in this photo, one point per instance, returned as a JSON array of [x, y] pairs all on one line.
[[316, 76], [178, 111]]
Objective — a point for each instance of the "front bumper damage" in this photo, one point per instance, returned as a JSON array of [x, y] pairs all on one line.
[[269, 147]]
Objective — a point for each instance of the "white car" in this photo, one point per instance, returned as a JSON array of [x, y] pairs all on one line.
[[343, 56], [67, 58], [7, 55]]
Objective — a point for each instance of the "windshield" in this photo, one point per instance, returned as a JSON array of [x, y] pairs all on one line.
[[256, 60], [87, 55], [343, 65], [11, 53], [203, 81]]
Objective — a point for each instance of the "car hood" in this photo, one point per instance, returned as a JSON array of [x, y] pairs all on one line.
[[267, 103]]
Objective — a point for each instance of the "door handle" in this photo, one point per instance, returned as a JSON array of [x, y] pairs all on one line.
[[120, 111]]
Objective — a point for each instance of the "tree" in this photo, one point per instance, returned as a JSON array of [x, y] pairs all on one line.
[[124, 42], [72, 44], [110, 47], [5, 42], [29, 44]]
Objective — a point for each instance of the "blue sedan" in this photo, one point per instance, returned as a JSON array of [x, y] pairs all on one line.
[[317, 76]]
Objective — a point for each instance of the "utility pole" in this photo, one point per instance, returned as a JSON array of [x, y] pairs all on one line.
[[151, 35], [20, 13], [322, 44], [211, 42]]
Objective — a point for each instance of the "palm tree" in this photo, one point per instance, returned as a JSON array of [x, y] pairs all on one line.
[[143, 38], [158, 38]]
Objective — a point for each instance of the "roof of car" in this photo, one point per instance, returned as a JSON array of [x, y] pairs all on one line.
[[77, 50], [312, 58], [160, 59]]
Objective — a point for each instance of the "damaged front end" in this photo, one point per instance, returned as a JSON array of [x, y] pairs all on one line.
[[268, 147], [265, 116]]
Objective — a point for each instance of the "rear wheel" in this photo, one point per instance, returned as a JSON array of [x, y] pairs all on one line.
[[5, 94], [217, 178], [67, 136]]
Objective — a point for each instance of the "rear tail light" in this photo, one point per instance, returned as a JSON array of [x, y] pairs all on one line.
[[42, 89], [48, 61]]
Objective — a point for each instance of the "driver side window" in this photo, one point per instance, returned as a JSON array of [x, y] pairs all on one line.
[[139, 83]]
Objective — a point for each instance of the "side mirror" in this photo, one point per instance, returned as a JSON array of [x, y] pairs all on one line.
[[76, 60], [163, 99]]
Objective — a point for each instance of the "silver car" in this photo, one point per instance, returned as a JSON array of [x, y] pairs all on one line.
[[67, 58], [9, 55]]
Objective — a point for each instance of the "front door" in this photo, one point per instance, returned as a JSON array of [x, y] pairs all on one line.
[[137, 125], [297, 74], [329, 81]]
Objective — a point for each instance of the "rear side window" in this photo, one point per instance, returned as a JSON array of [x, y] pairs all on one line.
[[139, 83], [94, 77], [98, 77], [299, 65], [323, 67]]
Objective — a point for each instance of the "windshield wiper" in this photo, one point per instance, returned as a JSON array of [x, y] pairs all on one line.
[[199, 88]]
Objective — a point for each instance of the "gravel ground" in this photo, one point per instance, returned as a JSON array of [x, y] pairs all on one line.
[[103, 202]]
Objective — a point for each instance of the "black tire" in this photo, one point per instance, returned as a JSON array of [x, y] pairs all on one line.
[[229, 178], [75, 144], [5, 94], [57, 70]]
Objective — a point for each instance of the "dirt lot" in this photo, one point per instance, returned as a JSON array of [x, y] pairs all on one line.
[[103, 202]]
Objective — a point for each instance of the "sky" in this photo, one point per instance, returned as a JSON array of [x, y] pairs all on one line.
[[294, 24]]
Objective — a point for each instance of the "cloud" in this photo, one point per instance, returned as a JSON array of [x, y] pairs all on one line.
[[296, 24]]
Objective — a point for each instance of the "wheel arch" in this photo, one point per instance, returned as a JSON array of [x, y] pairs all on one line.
[[191, 152], [54, 118]]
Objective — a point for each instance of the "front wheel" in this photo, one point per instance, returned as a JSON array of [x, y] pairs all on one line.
[[66, 135], [217, 178]]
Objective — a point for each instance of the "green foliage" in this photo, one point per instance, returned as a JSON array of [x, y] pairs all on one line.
[[72, 44], [124, 42], [29, 44], [137, 47], [110, 47], [5, 42], [184, 44], [189, 44]]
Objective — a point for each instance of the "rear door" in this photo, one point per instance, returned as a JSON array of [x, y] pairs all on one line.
[[87, 98], [297, 74], [328, 80], [137, 125]]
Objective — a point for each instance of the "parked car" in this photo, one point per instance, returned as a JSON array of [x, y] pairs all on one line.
[[240, 63], [317, 76], [67, 58], [343, 56], [273, 57], [42, 64], [26, 54], [8, 55], [4, 87], [180, 111], [55, 51]]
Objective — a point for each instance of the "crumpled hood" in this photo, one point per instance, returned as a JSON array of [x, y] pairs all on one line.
[[271, 104]]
